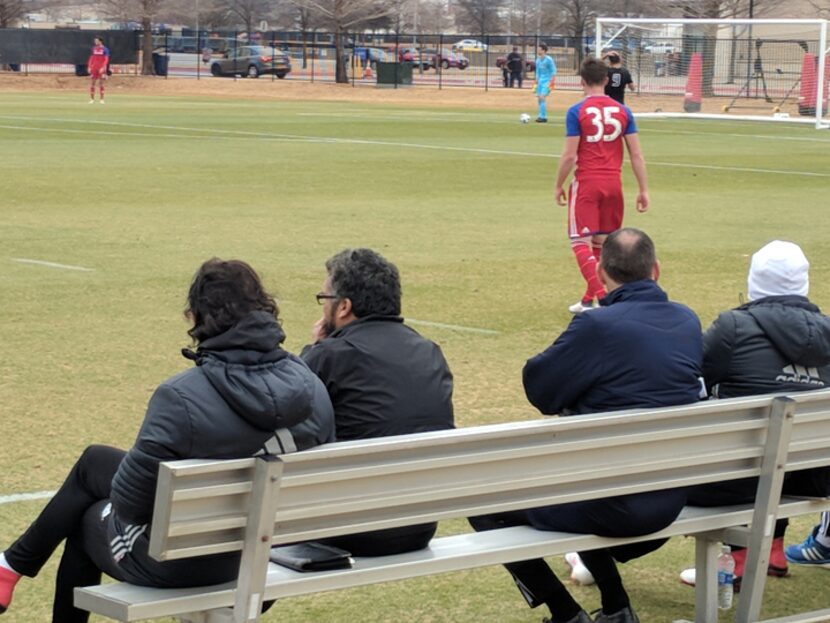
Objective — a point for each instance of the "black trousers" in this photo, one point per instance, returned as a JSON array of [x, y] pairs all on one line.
[[808, 482], [631, 515], [80, 513], [386, 542], [516, 77], [74, 515]]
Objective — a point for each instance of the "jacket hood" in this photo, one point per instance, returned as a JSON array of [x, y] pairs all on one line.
[[795, 326], [644, 290], [266, 386]]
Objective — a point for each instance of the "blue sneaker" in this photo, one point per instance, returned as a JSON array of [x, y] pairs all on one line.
[[810, 552]]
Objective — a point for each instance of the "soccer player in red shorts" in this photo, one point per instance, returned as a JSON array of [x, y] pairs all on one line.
[[596, 129], [97, 66]]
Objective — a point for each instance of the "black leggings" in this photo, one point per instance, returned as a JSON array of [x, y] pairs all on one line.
[[74, 514]]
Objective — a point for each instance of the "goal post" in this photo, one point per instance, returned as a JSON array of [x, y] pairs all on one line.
[[766, 69]]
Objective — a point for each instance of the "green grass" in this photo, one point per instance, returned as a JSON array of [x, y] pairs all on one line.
[[144, 189]]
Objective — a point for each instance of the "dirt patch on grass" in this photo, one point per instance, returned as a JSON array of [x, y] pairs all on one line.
[[291, 90]]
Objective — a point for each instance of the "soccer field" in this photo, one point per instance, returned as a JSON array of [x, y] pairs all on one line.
[[108, 210]]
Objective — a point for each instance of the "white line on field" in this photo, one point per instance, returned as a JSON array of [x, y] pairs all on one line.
[[451, 327], [22, 497], [502, 121], [354, 141], [150, 134], [23, 260]]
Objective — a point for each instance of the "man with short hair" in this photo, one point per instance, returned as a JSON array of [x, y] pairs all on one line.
[[382, 376], [639, 350], [545, 81], [515, 66], [596, 128], [618, 77]]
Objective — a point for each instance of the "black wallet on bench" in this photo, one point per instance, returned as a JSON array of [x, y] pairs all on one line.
[[311, 557]]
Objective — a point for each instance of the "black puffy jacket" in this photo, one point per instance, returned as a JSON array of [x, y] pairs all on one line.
[[774, 344], [245, 396]]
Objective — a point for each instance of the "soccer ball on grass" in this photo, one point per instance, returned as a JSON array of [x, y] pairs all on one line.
[[524, 118]]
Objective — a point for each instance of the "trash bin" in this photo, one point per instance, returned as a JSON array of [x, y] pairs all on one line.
[[394, 73], [80, 70], [160, 64], [659, 68]]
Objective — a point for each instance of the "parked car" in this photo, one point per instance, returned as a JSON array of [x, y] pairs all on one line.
[[373, 55], [530, 63], [661, 48], [471, 45], [445, 58], [415, 57], [252, 61]]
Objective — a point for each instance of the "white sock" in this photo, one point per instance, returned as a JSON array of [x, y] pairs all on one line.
[[5, 563]]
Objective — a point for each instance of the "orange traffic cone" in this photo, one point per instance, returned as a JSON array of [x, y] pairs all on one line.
[[694, 84]]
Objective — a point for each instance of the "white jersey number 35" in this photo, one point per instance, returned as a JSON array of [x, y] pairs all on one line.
[[608, 128]]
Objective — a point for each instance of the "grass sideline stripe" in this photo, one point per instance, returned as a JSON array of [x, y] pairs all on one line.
[[24, 497], [452, 327], [351, 141], [23, 260]]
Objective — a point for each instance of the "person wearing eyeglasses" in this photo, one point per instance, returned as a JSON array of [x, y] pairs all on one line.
[[382, 376]]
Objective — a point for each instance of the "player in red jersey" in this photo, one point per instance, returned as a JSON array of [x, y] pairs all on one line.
[[97, 66], [596, 129]]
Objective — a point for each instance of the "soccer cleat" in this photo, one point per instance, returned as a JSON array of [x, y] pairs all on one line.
[[688, 576], [541, 120], [8, 579], [776, 568], [92, 101], [579, 572], [580, 307], [102, 102], [581, 617], [810, 552], [626, 615]]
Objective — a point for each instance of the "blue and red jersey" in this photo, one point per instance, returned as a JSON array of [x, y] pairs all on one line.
[[99, 58], [600, 123]]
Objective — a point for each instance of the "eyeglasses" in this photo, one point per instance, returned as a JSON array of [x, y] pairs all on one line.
[[322, 297]]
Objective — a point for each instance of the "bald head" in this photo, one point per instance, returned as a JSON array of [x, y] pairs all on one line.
[[628, 255]]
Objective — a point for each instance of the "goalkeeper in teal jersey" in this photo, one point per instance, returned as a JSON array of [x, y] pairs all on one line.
[[545, 79]]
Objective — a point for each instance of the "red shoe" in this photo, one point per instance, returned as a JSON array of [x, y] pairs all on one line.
[[8, 579], [777, 562], [778, 559]]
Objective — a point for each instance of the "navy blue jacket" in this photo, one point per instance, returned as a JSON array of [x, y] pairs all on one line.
[[638, 350]]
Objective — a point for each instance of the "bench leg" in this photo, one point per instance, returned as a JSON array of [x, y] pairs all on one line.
[[766, 508], [706, 580], [221, 615]]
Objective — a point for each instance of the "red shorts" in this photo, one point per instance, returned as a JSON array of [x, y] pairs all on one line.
[[98, 72], [595, 206]]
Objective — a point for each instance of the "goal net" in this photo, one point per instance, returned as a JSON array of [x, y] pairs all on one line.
[[759, 69]]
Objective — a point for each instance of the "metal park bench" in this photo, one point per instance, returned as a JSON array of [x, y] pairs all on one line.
[[247, 505]]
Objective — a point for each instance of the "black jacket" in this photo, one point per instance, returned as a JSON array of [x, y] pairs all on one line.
[[383, 378], [514, 62], [774, 344], [638, 350], [245, 396]]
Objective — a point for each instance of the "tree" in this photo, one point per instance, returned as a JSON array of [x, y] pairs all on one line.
[[480, 17], [246, 12], [577, 16], [339, 16], [10, 12], [143, 11]]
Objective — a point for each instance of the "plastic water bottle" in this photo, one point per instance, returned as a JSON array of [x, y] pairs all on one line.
[[726, 578]]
